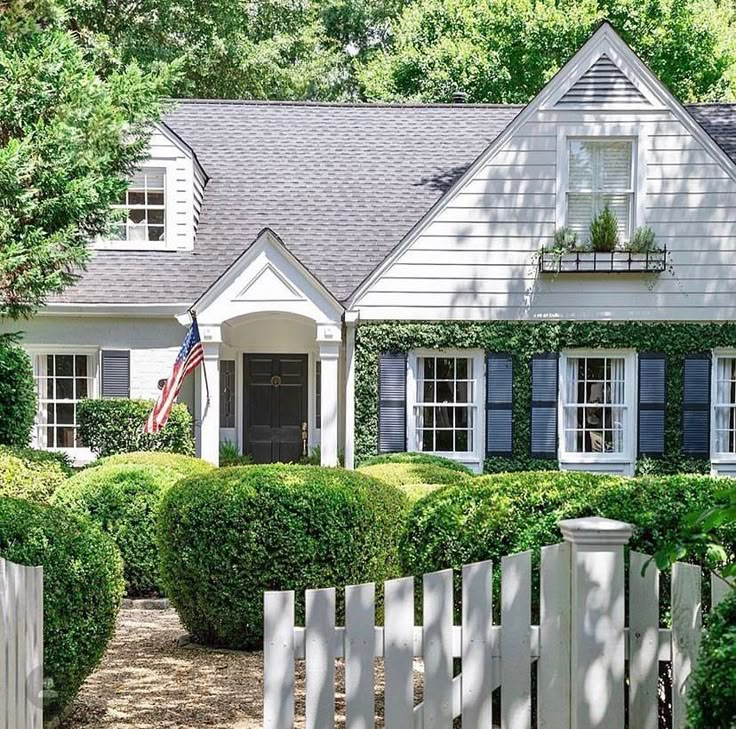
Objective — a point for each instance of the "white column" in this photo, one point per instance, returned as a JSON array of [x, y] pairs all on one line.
[[597, 621], [210, 405], [329, 339], [351, 320]]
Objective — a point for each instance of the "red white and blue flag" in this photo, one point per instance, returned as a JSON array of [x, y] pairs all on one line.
[[189, 358]]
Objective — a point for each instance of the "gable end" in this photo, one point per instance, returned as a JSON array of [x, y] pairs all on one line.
[[603, 84]]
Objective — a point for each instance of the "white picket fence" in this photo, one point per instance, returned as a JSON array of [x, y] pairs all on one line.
[[21, 646], [581, 645]]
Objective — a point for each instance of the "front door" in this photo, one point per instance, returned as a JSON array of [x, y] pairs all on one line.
[[275, 407]]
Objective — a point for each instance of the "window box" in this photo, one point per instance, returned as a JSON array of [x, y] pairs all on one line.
[[602, 262]]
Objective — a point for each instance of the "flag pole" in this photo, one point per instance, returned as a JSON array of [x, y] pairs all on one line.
[[204, 369]]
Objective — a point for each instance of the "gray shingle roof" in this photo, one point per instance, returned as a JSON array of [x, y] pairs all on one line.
[[340, 184]]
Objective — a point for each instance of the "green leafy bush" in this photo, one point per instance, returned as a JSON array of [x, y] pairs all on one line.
[[644, 240], [712, 692], [123, 501], [115, 426], [415, 479], [17, 394], [83, 585], [412, 457], [183, 466], [29, 474], [228, 536]]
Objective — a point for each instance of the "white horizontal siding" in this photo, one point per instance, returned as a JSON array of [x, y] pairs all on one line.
[[476, 258]]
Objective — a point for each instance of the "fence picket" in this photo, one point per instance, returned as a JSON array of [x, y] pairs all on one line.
[[319, 651], [643, 642], [12, 649], [686, 624], [398, 651], [360, 617], [553, 667], [718, 590], [516, 582], [437, 649], [278, 660], [5, 628], [35, 652], [477, 646]]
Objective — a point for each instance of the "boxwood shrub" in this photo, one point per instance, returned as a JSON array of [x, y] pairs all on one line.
[[123, 500], [115, 426], [228, 536], [415, 479], [17, 394], [29, 474], [412, 457], [181, 465], [712, 692], [83, 584]]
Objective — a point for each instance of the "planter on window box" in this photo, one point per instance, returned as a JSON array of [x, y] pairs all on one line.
[[602, 262]]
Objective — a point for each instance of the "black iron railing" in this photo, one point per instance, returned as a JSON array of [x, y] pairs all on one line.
[[603, 262]]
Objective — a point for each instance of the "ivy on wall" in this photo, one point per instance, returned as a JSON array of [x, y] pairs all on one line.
[[522, 340]]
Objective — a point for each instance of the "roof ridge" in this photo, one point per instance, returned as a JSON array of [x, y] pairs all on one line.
[[345, 104]]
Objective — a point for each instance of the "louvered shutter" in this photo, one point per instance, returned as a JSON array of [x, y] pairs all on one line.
[[652, 401], [392, 402], [115, 373], [544, 405], [696, 405], [499, 387]]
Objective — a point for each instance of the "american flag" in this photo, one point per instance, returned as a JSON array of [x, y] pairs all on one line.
[[190, 356]]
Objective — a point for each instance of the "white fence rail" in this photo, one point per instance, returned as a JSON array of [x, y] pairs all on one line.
[[21, 646], [581, 645]]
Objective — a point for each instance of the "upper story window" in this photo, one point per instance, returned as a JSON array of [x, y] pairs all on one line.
[[145, 206], [600, 173], [725, 405]]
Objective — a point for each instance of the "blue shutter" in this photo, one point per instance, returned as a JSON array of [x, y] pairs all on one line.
[[392, 402], [115, 373], [652, 401], [499, 388], [544, 405], [696, 405]]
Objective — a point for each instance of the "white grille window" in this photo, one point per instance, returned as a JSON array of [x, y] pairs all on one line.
[[445, 404], [595, 404], [725, 405], [145, 206], [62, 380], [600, 173]]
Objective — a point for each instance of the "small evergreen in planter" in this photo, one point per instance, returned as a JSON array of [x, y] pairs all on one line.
[[604, 232], [643, 241]]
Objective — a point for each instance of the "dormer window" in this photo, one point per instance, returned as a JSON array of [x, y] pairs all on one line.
[[600, 173], [145, 205]]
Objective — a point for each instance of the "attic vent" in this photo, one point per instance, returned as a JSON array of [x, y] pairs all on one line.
[[603, 83]]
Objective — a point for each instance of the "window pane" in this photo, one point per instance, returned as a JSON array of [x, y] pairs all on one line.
[[64, 388], [615, 165], [428, 440], [65, 437], [82, 391], [136, 197], [462, 369], [429, 392], [580, 170], [155, 178], [155, 198], [64, 365], [428, 368], [444, 441], [445, 368], [65, 413], [620, 206], [155, 233], [428, 417], [80, 365], [461, 441], [580, 211], [462, 393], [443, 417], [445, 392], [137, 216], [461, 417], [156, 217]]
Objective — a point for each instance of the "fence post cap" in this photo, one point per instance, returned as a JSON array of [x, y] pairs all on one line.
[[595, 530]]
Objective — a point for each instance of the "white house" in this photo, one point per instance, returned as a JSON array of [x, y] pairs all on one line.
[[294, 229]]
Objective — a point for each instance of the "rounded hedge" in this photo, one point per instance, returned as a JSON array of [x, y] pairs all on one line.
[[123, 500], [17, 394], [413, 457], [712, 692], [415, 479], [29, 474], [82, 582], [183, 466], [230, 535]]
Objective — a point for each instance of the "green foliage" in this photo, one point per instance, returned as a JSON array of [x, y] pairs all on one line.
[[17, 390], [230, 535], [506, 50], [82, 583], [604, 231], [123, 501], [68, 140], [565, 240], [644, 240], [230, 455], [29, 474], [415, 479], [183, 466], [116, 426], [522, 340], [413, 457], [712, 692]]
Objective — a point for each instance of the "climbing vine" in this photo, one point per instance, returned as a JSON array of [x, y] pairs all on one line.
[[522, 340]]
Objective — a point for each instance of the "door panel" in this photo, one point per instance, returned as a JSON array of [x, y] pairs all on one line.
[[275, 393]]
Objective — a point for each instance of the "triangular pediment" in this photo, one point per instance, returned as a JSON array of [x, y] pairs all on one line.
[[269, 285]]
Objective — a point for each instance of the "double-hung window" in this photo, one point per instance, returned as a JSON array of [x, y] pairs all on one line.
[[595, 403], [725, 406], [600, 173], [144, 203]]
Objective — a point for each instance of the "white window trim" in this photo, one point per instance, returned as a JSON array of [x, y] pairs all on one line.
[[78, 455], [628, 454], [600, 132], [473, 458], [170, 203], [717, 457]]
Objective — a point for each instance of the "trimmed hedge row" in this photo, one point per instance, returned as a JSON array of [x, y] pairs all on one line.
[[83, 584], [414, 457], [182, 465], [416, 479], [29, 474], [228, 536]]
